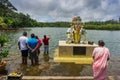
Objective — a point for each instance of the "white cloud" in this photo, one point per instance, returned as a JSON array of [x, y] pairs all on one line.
[[64, 10]]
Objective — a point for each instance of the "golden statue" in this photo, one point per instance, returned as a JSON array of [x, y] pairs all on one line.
[[75, 32]]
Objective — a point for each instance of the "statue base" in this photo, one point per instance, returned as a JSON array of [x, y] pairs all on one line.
[[77, 53]]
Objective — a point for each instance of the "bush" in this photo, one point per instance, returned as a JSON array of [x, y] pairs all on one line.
[[4, 53], [3, 40]]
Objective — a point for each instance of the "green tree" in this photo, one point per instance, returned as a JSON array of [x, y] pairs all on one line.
[[6, 7]]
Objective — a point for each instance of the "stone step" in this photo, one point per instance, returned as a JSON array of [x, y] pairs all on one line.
[[61, 78], [57, 78]]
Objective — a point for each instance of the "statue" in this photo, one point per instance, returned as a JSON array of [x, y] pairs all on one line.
[[83, 34], [76, 31], [70, 35]]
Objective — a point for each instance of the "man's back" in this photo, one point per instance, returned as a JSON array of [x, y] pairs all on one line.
[[45, 41], [23, 41], [32, 42]]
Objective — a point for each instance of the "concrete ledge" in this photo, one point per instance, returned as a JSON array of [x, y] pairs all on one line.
[[63, 43], [60, 78], [57, 77], [73, 59], [78, 60]]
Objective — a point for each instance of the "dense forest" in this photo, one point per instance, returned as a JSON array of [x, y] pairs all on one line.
[[10, 18]]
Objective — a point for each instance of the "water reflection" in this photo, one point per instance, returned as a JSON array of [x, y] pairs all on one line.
[[47, 66], [46, 57], [72, 69], [30, 70], [36, 69]]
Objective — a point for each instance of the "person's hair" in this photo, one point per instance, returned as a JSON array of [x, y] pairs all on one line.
[[101, 43], [32, 35], [44, 36], [24, 33], [36, 37]]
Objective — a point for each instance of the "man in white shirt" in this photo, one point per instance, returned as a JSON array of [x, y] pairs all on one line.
[[22, 43]]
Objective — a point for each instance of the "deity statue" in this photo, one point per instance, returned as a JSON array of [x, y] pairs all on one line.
[[76, 31]]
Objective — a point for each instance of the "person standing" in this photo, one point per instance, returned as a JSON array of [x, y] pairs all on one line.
[[32, 45], [101, 56], [45, 40], [39, 44], [22, 43]]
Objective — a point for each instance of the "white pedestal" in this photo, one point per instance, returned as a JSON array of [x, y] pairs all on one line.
[[75, 49]]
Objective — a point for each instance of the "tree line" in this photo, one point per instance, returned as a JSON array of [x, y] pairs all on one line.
[[10, 18]]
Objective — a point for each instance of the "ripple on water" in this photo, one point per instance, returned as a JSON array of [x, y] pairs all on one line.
[[14, 61]]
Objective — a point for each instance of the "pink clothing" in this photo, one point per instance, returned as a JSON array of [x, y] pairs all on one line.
[[40, 44], [101, 56]]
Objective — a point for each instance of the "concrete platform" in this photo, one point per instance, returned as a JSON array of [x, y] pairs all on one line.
[[73, 49], [61, 78], [74, 53], [63, 43], [73, 59]]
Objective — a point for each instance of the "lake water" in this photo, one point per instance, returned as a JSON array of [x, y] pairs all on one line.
[[111, 38]]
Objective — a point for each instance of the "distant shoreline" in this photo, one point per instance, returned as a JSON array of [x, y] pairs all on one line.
[[9, 29], [86, 27]]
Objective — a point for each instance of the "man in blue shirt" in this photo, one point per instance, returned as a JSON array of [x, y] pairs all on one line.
[[32, 44]]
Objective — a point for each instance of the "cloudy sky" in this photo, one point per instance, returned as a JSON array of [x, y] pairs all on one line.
[[64, 10]]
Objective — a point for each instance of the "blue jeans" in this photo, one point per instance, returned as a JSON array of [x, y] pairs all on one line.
[[46, 49]]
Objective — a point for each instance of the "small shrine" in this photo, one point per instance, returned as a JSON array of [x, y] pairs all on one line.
[[76, 32], [75, 49]]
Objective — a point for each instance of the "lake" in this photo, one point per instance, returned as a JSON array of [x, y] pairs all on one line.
[[111, 38]]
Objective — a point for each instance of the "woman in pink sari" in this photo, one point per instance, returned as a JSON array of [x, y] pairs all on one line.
[[101, 55]]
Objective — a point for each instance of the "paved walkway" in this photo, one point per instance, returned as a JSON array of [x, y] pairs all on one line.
[[61, 78]]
